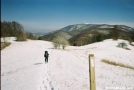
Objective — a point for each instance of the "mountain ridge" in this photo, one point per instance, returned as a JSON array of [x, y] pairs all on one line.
[[71, 31]]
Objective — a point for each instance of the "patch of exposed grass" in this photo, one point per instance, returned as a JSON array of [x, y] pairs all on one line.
[[4, 44], [132, 44], [117, 64], [128, 49]]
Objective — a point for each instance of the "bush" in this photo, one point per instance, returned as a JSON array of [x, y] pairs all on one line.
[[30, 36], [4, 44], [59, 41], [122, 44], [56, 43], [21, 36], [130, 41], [74, 44], [39, 38], [99, 38]]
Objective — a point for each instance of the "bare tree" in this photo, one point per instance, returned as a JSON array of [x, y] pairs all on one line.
[[59, 41], [115, 34], [31, 36], [21, 35], [10, 28], [64, 42]]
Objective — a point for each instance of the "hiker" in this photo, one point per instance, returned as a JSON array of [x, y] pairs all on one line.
[[46, 56]]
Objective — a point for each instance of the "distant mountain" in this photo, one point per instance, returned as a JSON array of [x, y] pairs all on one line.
[[53, 35], [78, 27], [38, 34], [68, 31], [78, 32]]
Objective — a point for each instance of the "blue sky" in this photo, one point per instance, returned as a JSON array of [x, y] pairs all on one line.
[[48, 15]]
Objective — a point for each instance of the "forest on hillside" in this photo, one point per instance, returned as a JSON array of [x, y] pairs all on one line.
[[89, 36], [15, 29]]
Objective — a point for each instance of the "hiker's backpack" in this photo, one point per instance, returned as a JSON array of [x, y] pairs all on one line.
[[46, 54]]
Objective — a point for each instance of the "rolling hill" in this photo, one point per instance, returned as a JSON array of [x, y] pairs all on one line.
[[23, 66], [81, 32]]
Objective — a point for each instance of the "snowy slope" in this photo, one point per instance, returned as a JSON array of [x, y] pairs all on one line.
[[23, 66]]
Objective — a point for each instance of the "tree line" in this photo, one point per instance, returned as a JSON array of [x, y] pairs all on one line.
[[15, 29], [88, 37]]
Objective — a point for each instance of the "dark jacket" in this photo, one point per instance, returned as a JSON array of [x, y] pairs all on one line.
[[46, 54]]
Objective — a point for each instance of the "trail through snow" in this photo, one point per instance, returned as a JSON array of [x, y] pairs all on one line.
[[47, 82]]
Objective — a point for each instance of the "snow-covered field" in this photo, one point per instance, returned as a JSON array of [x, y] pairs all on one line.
[[23, 66]]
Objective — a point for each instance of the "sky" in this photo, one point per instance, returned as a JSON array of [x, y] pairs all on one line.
[[49, 15]]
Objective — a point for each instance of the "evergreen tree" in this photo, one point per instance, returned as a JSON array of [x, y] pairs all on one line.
[[99, 38], [39, 38]]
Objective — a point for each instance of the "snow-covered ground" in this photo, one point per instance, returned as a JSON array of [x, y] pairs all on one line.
[[23, 66]]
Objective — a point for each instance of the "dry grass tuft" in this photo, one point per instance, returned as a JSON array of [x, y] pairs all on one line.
[[117, 64], [4, 44], [132, 44], [128, 49]]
